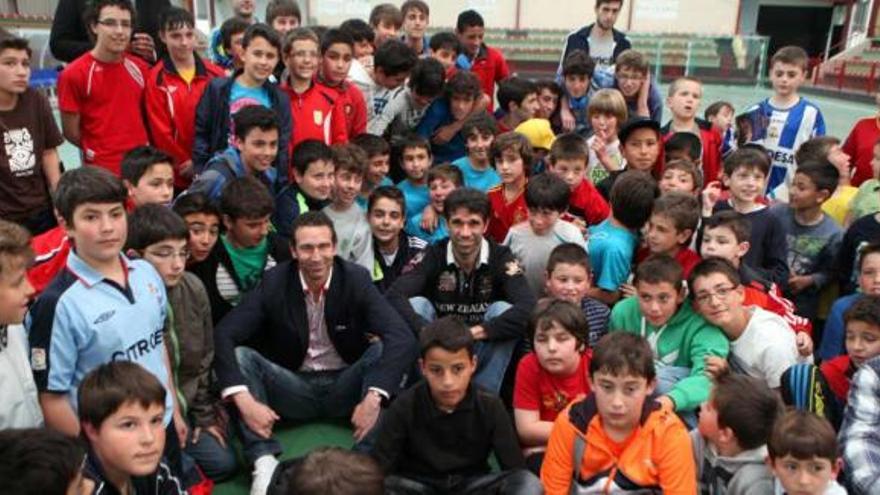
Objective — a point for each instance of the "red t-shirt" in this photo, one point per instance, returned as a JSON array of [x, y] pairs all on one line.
[[586, 202], [108, 98], [490, 67], [505, 215], [860, 146], [536, 389]]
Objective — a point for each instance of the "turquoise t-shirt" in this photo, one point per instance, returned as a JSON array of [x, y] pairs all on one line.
[[416, 197], [611, 251], [478, 179], [242, 96], [414, 228]]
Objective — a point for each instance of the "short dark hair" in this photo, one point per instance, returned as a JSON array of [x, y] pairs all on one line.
[[417, 5], [446, 171], [349, 157], [623, 353], [254, 117], [311, 219], [335, 36], [687, 167], [38, 461], [372, 145], [519, 144], [395, 57], [747, 406], [687, 142], [716, 107], [815, 149], [569, 146], [712, 265], [659, 268], [260, 30], [387, 192], [791, 54], [802, 435], [230, 28], [445, 40], [109, 386], [472, 200], [140, 160], [514, 90], [9, 42], [563, 313], [748, 158], [335, 470], [309, 152], [683, 209], [547, 192], [866, 309], [632, 197], [92, 13], [246, 197], [568, 253], [599, 3], [427, 78], [413, 140], [464, 83], [175, 18], [152, 223], [195, 202], [548, 84], [282, 8], [741, 228], [449, 333], [578, 63], [359, 30], [822, 174], [386, 13], [480, 122], [87, 185], [469, 18], [868, 249]]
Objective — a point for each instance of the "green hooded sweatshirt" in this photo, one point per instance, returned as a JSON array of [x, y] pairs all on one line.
[[684, 341]]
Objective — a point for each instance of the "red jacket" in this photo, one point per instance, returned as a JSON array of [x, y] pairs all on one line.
[[353, 105], [713, 165], [50, 257], [318, 113], [171, 109]]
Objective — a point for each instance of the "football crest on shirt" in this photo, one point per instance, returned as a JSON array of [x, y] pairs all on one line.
[[38, 359], [348, 109], [318, 117], [446, 282]]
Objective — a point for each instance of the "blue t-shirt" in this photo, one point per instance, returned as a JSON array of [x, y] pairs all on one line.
[[611, 251], [436, 116], [363, 201], [83, 320], [242, 96], [414, 228], [478, 179], [416, 197]]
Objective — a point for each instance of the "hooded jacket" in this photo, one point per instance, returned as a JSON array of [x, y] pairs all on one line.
[[743, 474]]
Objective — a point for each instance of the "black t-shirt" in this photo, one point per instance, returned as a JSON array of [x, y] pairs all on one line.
[[27, 131]]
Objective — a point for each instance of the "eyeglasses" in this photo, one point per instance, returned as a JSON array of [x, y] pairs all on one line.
[[169, 254], [720, 293], [114, 23]]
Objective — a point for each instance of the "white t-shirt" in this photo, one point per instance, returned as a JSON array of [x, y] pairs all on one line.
[[596, 172], [533, 250], [765, 349], [602, 51], [19, 407]]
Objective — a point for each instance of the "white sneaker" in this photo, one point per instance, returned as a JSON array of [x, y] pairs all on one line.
[[264, 468]]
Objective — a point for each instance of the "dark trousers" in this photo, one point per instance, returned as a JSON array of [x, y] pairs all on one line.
[[513, 482]]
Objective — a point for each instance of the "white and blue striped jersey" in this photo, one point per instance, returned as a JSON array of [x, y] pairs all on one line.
[[781, 132]]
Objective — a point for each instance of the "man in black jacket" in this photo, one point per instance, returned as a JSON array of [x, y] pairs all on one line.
[[473, 278], [299, 346]]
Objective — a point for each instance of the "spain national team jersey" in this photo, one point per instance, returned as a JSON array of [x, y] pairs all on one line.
[[781, 132]]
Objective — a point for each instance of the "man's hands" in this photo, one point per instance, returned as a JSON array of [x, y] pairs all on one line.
[[213, 430], [479, 332], [257, 416], [142, 45], [365, 414]]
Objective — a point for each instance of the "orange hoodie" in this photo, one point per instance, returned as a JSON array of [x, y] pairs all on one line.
[[657, 456]]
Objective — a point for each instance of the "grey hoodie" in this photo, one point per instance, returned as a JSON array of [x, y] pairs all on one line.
[[743, 474]]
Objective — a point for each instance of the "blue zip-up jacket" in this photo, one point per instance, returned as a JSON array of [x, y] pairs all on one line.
[[224, 167]]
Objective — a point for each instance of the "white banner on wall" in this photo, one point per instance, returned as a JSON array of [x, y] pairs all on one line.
[[657, 10], [343, 8], [486, 8]]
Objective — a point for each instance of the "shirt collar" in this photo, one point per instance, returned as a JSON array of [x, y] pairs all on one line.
[[88, 275], [484, 254], [305, 286]]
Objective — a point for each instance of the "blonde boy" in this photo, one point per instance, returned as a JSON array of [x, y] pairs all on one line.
[[607, 113]]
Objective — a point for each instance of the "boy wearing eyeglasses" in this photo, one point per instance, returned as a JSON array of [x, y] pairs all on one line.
[[100, 94], [762, 344], [159, 236]]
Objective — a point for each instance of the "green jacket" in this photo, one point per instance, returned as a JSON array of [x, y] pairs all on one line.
[[686, 339]]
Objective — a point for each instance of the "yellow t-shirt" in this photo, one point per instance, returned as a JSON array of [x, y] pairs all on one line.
[[837, 206], [187, 74]]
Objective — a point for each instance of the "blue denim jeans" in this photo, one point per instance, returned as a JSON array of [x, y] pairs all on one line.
[[493, 357], [300, 396], [215, 460], [667, 377]]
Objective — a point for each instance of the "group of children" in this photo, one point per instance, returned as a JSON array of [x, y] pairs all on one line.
[[685, 273]]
